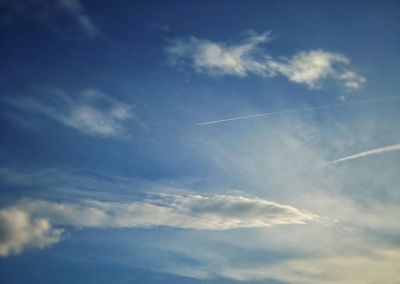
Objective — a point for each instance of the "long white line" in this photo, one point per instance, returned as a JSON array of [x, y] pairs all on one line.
[[367, 101], [377, 151], [391, 148]]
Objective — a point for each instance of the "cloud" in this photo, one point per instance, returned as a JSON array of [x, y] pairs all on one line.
[[49, 11], [376, 266], [28, 223], [219, 58], [76, 10], [18, 230], [310, 68], [92, 112], [306, 67], [218, 212]]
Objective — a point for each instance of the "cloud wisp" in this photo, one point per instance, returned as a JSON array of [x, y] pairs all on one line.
[[358, 102], [42, 10], [377, 266], [92, 112], [28, 223], [309, 68], [219, 58]]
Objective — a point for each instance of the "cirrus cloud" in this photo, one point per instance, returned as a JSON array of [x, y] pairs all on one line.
[[29, 222]]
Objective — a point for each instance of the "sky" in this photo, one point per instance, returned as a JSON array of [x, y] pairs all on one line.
[[199, 142]]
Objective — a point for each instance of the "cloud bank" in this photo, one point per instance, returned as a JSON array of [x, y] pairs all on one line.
[[29, 222], [309, 68], [92, 112]]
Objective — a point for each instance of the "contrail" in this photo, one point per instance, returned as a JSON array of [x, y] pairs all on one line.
[[377, 151], [359, 102], [322, 166]]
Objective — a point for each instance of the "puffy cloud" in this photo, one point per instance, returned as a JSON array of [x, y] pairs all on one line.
[[310, 68], [218, 212], [306, 67], [18, 230], [92, 112]]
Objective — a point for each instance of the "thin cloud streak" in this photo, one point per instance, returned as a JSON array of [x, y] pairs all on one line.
[[377, 151], [359, 102]]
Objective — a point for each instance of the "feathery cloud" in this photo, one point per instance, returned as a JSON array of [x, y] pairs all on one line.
[[92, 112], [28, 223], [219, 58], [44, 10], [218, 212], [306, 67]]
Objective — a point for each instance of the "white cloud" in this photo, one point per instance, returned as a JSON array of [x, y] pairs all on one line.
[[28, 223], [309, 68], [219, 58], [351, 79], [218, 212], [92, 112], [18, 230], [306, 67]]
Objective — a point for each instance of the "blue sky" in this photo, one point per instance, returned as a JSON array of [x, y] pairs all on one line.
[[199, 142]]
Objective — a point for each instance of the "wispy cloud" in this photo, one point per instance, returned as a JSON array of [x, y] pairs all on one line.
[[217, 212], [28, 223], [219, 58], [48, 11], [375, 266], [91, 112], [19, 230], [247, 57], [76, 10]]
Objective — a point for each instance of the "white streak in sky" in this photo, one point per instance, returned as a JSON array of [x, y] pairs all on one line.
[[322, 166], [377, 151], [359, 102]]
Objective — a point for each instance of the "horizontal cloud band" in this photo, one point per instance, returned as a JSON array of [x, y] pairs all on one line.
[[29, 222]]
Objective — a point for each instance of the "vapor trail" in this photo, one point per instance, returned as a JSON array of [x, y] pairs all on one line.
[[377, 151], [359, 102], [322, 166]]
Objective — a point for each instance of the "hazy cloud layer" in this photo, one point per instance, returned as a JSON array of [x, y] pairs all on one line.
[[376, 266], [241, 59], [92, 112]]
